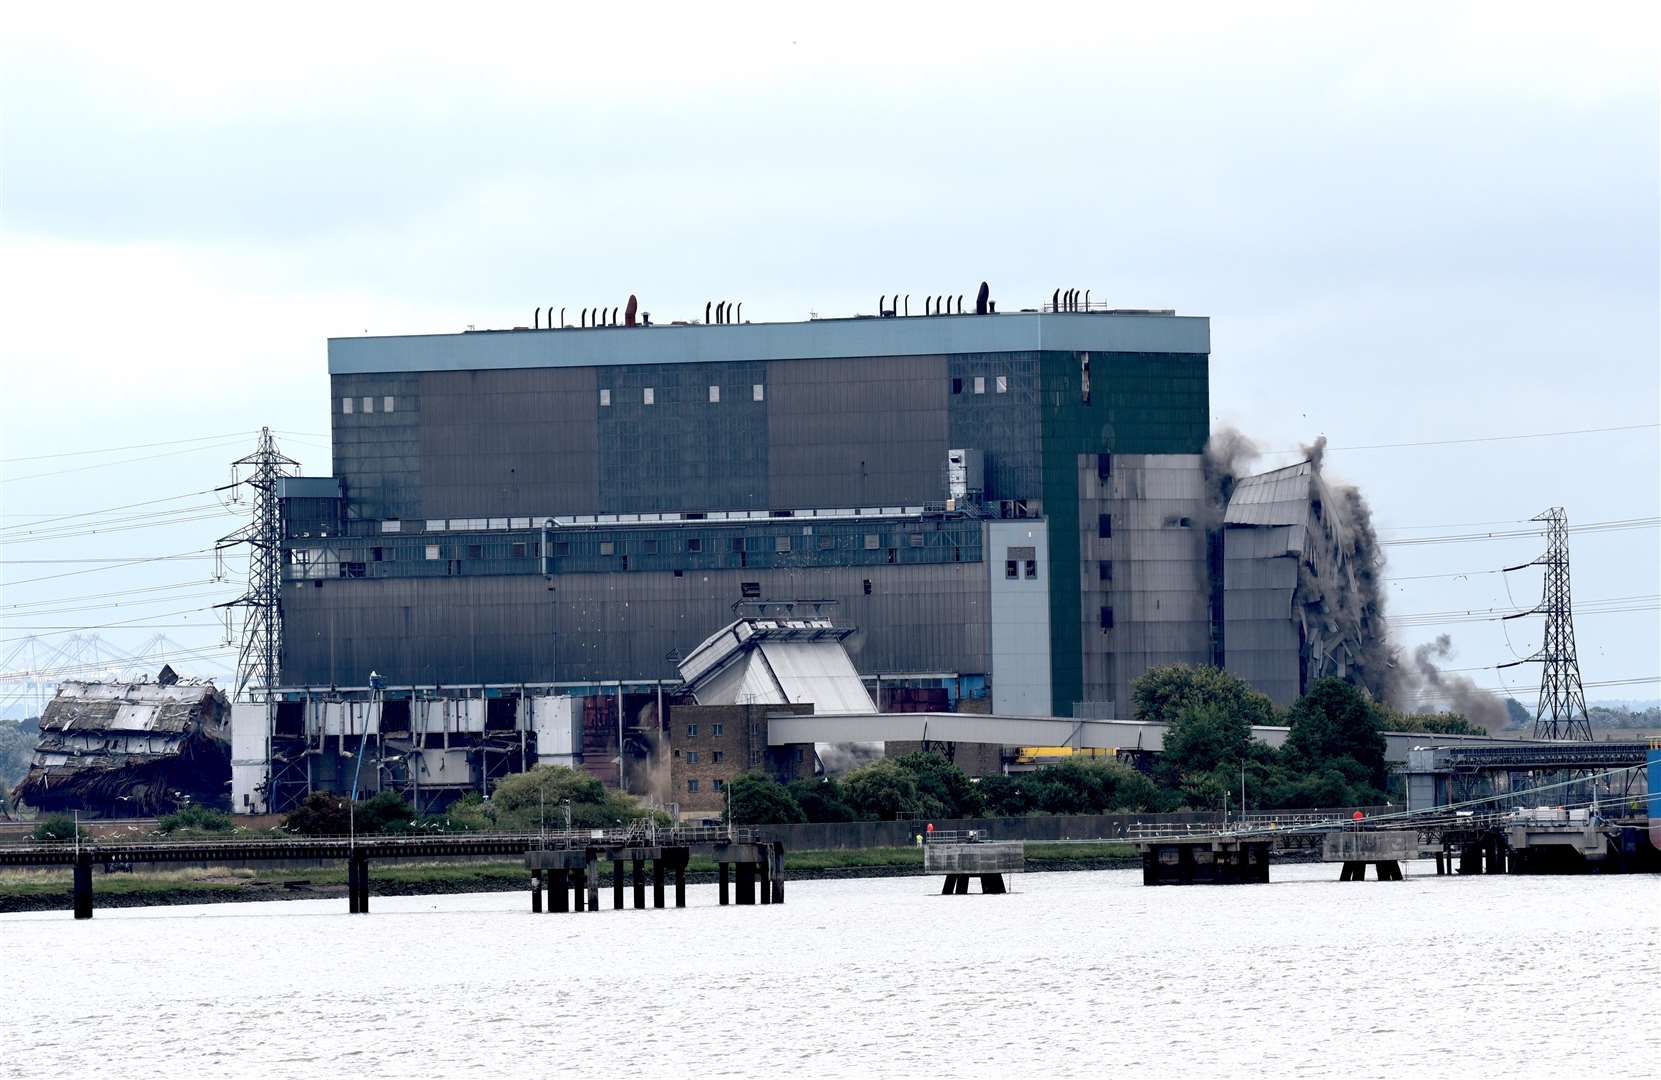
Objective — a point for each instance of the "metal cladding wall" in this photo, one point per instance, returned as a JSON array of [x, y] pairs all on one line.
[[592, 627], [1150, 573]]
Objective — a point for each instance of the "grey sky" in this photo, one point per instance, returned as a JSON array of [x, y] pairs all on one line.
[[1438, 223]]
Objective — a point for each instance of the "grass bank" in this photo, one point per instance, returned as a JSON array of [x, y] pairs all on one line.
[[35, 890]]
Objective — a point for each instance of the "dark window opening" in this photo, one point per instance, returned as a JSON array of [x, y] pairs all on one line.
[[750, 590], [957, 386], [957, 553], [893, 555], [475, 551], [1104, 570], [520, 550], [867, 586], [377, 554], [499, 713], [1104, 525], [695, 543], [1104, 466], [1009, 569], [718, 756], [453, 567], [1031, 569], [353, 569], [692, 731], [290, 718], [680, 573], [394, 716], [743, 559], [562, 547], [827, 543], [649, 547], [625, 562], [694, 517], [692, 757], [692, 786], [1107, 618]]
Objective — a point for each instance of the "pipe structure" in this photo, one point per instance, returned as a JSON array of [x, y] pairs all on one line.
[[536, 319]]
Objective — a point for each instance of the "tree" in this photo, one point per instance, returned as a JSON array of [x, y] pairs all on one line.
[[1163, 694], [321, 814], [944, 789], [821, 799], [1005, 796], [531, 800], [756, 799], [882, 790], [1334, 721], [1203, 739], [1078, 787]]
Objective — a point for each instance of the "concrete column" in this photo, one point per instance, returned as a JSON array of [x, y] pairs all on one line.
[[593, 877], [776, 876], [536, 892], [680, 886], [963, 884], [638, 872], [559, 896], [762, 875], [578, 888], [746, 883], [616, 884], [363, 885], [657, 881], [82, 897], [725, 871], [949, 886]]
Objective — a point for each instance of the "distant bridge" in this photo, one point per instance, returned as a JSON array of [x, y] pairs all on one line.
[[1086, 734]]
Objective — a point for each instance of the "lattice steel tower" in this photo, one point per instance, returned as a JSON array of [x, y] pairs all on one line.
[[262, 622], [1561, 713]]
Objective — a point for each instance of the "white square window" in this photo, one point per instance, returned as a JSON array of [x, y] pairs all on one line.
[[1003, 384], [432, 551], [758, 392], [346, 405], [980, 384], [648, 396], [386, 403], [605, 397], [715, 393], [368, 404]]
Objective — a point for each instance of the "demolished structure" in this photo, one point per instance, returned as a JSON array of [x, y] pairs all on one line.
[[131, 749]]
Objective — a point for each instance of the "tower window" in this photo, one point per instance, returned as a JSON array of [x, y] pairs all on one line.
[[714, 393], [1104, 526], [648, 396]]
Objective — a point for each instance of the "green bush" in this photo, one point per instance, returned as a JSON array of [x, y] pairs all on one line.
[[755, 799], [195, 819], [57, 828]]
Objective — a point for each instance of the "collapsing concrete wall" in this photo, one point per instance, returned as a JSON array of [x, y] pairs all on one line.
[[130, 749]]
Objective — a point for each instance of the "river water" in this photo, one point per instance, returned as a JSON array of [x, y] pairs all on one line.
[[1073, 974]]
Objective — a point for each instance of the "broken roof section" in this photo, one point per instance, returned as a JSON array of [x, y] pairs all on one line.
[[777, 662], [172, 707], [1280, 497]]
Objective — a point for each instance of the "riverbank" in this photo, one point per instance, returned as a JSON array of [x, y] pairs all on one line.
[[45, 890]]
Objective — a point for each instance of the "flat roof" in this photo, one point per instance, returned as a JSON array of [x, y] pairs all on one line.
[[915, 335]]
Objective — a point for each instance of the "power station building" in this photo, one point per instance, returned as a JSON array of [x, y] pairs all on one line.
[[1011, 509]]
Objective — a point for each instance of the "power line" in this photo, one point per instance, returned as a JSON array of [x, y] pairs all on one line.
[[106, 595], [1477, 439], [119, 449], [105, 626], [120, 461], [1619, 525], [109, 509]]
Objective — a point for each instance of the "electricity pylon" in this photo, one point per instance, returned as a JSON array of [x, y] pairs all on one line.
[[1561, 712]]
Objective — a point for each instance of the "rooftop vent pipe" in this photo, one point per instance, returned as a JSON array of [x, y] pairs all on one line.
[[1086, 299], [561, 318], [740, 316], [982, 298], [583, 323], [1055, 300], [536, 320], [631, 311], [908, 303], [960, 303]]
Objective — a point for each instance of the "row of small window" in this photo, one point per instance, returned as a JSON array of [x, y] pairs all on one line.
[[714, 785], [474, 551], [715, 731], [716, 756], [648, 395], [1013, 566], [347, 404], [979, 384]]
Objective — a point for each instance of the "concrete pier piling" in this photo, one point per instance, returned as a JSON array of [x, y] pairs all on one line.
[[759, 874], [657, 882], [723, 871], [638, 871], [536, 892], [83, 886]]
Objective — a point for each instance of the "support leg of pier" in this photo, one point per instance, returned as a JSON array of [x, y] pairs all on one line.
[[536, 892], [949, 886], [1441, 864], [725, 872], [616, 884], [962, 885], [1353, 871], [1388, 870], [83, 886], [578, 889], [592, 876], [746, 883], [639, 873], [657, 882], [363, 886], [680, 886], [1470, 859], [776, 873], [992, 884], [559, 892], [764, 873]]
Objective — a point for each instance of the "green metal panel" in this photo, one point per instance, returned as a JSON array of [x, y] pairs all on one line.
[[1140, 403]]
